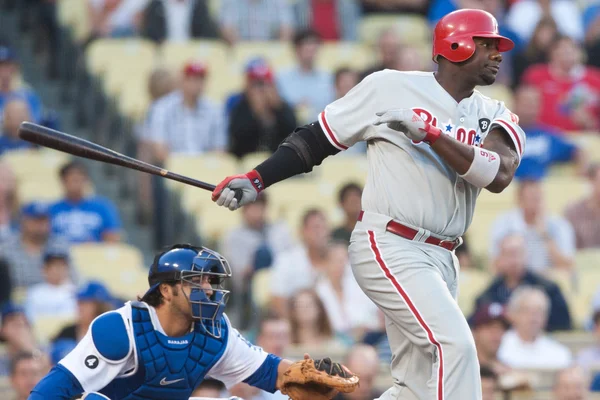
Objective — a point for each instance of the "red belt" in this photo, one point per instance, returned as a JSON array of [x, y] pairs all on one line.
[[410, 234]]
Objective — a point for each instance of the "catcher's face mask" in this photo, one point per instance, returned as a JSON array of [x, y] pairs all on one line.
[[207, 296]]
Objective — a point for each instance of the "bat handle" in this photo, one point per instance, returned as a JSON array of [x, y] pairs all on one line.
[[238, 195]]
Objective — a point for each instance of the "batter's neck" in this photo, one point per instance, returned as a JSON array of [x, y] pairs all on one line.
[[456, 86]]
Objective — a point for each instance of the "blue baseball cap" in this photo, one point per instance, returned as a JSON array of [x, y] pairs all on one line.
[[7, 54], [9, 309], [36, 209], [94, 291]]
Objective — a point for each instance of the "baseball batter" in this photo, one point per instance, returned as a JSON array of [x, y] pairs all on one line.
[[434, 142]]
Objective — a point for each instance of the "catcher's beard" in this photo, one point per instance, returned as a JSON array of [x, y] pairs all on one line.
[[186, 310]]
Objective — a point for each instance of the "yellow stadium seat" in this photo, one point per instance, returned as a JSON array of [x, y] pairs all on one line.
[[213, 222], [224, 76], [580, 301], [39, 190], [587, 259], [334, 55], [120, 266], [471, 284], [261, 288], [560, 192], [411, 28], [115, 54], [575, 340], [590, 142], [339, 170], [280, 55], [207, 167], [30, 164], [45, 328], [73, 13]]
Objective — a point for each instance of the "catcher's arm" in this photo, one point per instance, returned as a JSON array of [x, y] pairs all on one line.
[[284, 365]]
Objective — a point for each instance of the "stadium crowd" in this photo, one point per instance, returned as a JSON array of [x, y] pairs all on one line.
[[294, 292]]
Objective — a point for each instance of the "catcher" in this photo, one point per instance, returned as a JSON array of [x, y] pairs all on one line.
[[165, 344]]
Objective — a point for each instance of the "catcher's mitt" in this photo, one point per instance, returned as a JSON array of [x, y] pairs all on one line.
[[317, 380]]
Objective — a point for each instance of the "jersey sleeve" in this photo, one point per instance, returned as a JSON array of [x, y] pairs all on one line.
[[509, 122], [350, 119], [239, 361], [105, 353]]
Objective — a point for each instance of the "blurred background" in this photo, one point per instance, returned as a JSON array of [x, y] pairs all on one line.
[[208, 88]]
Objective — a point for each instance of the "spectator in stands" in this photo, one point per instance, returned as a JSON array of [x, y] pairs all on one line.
[[489, 324], [524, 16], [412, 59], [15, 112], [24, 250], [26, 370], [584, 215], [11, 87], [331, 19], [81, 218], [571, 384], [185, 121], [591, 22], [178, 21], [260, 118], [240, 245], [545, 145], [511, 272], [489, 383], [569, 89], [55, 297], [209, 389], [114, 18], [8, 201], [310, 327], [526, 345], [362, 360], [274, 336], [537, 49], [389, 48], [589, 357], [348, 309], [257, 20], [550, 239], [160, 83], [16, 333], [306, 87], [345, 79], [299, 268], [93, 299], [349, 199]]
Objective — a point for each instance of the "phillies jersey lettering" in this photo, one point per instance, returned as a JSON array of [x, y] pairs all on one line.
[[409, 181]]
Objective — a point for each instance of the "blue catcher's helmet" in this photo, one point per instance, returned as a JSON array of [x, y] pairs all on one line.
[[194, 266]]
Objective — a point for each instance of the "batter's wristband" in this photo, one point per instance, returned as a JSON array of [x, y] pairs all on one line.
[[256, 180], [433, 133]]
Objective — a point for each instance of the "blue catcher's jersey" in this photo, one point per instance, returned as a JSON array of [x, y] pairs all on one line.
[[127, 355]]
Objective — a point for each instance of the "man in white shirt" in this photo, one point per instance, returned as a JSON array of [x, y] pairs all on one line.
[[55, 297], [185, 121], [550, 238], [526, 345], [300, 267]]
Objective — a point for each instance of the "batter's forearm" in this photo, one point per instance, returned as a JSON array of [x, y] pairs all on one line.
[[457, 154]]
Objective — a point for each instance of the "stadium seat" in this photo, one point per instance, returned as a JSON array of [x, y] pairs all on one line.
[[103, 54], [587, 259], [224, 76], [120, 266], [207, 167], [471, 284], [74, 14], [334, 55], [340, 170], [575, 341], [212, 221], [412, 29], [580, 302], [249, 161], [590, 141], [45, 328], [261, 288], [35, 164], [559, 192], [280, 55]]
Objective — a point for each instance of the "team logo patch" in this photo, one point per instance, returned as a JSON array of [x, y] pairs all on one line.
[[257, 183], [91, 362], [484, 124]]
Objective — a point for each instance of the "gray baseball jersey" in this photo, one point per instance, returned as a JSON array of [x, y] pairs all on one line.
[[410, 182], [414, 283]]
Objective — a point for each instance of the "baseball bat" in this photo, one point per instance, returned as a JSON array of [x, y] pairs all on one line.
[[66, 143]]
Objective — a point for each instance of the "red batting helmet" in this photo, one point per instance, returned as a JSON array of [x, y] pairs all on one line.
[[454, 33]]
